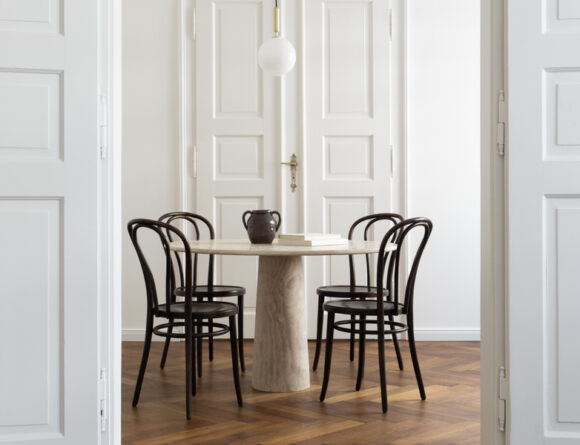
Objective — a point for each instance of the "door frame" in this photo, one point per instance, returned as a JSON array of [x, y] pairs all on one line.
[[494, 320], [493, 309], [111, 224]]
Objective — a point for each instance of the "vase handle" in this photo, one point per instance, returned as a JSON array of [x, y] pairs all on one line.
[[244, 218], [274, 212]]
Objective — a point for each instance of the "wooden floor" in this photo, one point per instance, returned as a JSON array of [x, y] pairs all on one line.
[[450, 415]]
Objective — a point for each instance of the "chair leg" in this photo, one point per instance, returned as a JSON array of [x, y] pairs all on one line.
[[319, 322], [328, 357], [411, 334], [396, 344], [210, 339], [234, 348], [361, 353], [241, 331], [189, 364], [382, 370], [199, 347], [352, 326], [166, 347], [144, 358], [195, 353]]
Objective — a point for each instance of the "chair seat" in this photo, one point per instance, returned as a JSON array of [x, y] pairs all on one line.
[[214, 291], [347, 291], [214, 309], [361, 307]]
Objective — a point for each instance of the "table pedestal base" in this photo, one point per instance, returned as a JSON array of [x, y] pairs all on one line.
[[281, 343]]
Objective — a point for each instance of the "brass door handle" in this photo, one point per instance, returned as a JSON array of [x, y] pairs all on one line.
[[293, 164]]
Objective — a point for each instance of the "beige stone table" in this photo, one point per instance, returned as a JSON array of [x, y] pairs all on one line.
[[280, 339]]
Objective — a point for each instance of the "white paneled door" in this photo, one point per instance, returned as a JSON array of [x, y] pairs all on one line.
[[544, 218], [48, 222], [235, 128], [332, 111], [348, 163]]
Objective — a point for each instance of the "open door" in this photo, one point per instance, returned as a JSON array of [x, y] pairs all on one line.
[[49, 222], [544, 220]]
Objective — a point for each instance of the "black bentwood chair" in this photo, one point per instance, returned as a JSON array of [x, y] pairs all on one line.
[[384, 305], [352, 290], [201, 228], [192, 313]]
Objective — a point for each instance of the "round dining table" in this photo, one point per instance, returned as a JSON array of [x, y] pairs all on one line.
[[280, 362]]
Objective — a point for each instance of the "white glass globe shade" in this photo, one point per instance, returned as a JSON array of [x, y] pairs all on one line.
[[277, 56]]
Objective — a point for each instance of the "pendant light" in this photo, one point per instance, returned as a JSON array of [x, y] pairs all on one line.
[[276, 56]]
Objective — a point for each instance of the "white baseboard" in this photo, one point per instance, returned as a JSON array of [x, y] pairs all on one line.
[[447, 335], [137, 335], [431, 335], [420, 334]]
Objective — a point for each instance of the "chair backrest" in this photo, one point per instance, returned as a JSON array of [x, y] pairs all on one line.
[[362, 228], [135, 226], [201, 229], [389, 262]]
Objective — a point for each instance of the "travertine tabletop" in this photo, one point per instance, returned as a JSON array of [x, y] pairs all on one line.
[[244, 247]]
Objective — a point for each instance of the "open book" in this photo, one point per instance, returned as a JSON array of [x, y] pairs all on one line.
[[311, 239]]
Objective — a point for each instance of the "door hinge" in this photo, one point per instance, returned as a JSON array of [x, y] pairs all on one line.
[[102, 388], [501, 123], [103, 126], [390, 24], [502, 398], [194, 161], [392, 156]]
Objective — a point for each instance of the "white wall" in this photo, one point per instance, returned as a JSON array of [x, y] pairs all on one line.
[[444, 162], [150, 134]]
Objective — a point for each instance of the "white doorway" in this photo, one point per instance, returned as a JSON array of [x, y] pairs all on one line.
[[159, 60], [493, 13]]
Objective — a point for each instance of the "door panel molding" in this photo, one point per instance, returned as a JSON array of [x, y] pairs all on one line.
[[36, 408]]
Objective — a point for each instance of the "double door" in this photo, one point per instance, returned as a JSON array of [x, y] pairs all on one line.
[[331, 111]]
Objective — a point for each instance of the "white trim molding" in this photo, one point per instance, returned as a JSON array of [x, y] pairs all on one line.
[[185, 58], [420, 334], [447, 334], [138, 335], [398, 114], [110, 85]]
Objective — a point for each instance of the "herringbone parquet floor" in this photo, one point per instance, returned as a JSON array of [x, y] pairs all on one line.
[[450, 415]]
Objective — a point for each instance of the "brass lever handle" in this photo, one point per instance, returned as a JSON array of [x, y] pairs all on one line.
[[293, 164]]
